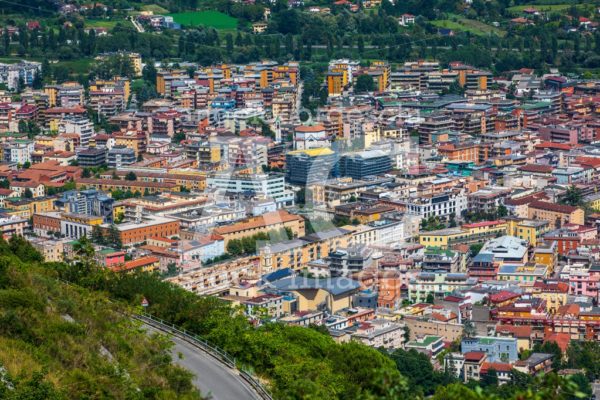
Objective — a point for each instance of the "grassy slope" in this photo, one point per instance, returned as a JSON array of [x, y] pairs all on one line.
[[458, 23], [78, 340]]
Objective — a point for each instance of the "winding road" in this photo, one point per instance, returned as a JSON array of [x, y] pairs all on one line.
[[214, 380]]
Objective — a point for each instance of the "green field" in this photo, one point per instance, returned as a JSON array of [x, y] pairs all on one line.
[[213, 19], [102, 23], [468, 25], [79, 66]]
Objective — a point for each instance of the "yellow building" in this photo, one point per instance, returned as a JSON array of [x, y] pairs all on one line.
[[334, 294], [386, 71], [135, 140], [555, 294], [546, 254], [119, 82], [556, 214], [83, 219], [108, 185], [52, 250], [118, 211], [478, 232], [527, 229], [296, 254], [265, 223], [25, 208], [525, 275]]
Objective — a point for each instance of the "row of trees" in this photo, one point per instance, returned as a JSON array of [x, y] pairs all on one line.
[[249, 244]]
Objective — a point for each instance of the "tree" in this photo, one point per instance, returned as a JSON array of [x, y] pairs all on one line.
[[234, 247], [178, 137], [114, 237], [406, 334], [28, 194], [22, 126], [83, 249], [149, 72], [430, 299], [502, 211], [131, 176], [573, 196], [475, 248], [364, 83], [585, 355], [490, 378], [86, 173], [469, 329], [97, 236]]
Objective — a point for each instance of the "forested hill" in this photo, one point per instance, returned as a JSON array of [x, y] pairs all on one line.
[[60, 342]]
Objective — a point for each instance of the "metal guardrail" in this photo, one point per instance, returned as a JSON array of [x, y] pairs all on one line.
[[205, 346], [197, 341]]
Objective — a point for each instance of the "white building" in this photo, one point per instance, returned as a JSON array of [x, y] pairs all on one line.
[[438, 205], [311, 137], [264, 185], [18, 151], [379, 233], [380, 333], [25, 71], [78, 125]]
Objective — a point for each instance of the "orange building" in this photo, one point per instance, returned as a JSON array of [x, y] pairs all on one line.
[[45, 223], [335, 83], [472, 152], [389, 292], [140, 231]]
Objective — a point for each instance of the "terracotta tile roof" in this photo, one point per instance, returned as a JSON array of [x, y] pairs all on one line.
[[555, 146], [561, 339], [474, 356], [558, 208], [140, 262], [496, 366], [264, 220], [483, 223], [516, 331], [568, 309], [546, 169], [525, 200], [503, 296], [308, 129]]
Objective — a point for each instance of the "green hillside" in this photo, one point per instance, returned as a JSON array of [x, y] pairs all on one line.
[[61, 342]]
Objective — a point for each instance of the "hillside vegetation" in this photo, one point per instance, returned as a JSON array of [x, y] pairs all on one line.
[[63, 342]]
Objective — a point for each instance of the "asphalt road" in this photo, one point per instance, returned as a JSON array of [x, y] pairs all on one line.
[[213, 379]]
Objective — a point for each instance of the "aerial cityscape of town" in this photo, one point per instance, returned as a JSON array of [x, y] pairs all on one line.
[[359, 199]]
